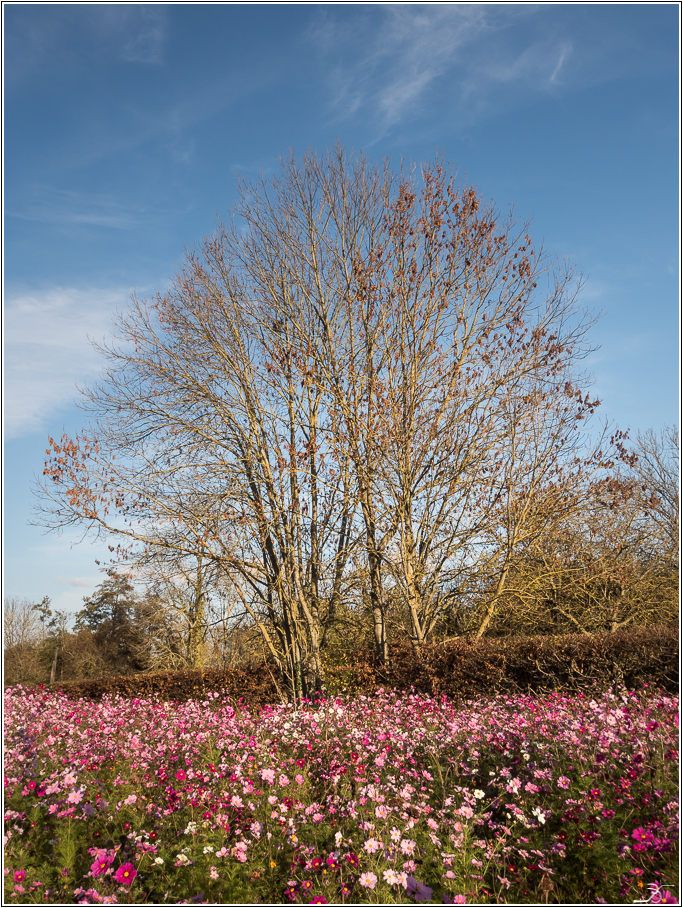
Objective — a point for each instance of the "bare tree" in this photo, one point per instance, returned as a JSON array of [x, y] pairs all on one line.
[[327, 403], [20, 622], [656, 474]]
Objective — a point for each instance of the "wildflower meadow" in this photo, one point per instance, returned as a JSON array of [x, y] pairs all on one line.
[[389, 798]]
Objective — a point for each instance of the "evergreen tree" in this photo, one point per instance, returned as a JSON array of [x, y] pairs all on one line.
[[110, 615]]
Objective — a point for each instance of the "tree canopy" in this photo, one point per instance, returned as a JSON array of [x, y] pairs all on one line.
[[366, 388]]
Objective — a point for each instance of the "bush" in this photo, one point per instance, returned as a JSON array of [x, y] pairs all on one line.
[[460, 668]]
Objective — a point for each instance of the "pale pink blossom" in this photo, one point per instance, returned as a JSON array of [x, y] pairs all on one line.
[[369, 880]]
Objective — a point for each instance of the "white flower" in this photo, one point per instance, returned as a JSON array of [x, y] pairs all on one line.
[[158, 860], [478, 794]]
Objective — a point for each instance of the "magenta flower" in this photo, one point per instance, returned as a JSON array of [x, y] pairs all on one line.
[[661, 896], [19, 876], [101, 864], [180, 775], [125, 874]]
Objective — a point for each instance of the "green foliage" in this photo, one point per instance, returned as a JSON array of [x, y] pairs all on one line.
[[109, 614]]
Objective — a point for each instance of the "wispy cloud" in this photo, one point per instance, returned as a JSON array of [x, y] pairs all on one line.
[[565, 50], [145, 28], [390, 68], [398, 61], [47, 351], [65, 207], [64, 38]]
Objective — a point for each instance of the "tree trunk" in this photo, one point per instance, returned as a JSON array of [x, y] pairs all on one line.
[[414, 597], [53, 673], [379, 623], [492, 606]]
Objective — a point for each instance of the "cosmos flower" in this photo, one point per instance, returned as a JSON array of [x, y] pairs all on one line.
[[125, 874], [369, 880]]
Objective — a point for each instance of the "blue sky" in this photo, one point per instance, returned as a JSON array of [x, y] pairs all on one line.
[[127, 126]]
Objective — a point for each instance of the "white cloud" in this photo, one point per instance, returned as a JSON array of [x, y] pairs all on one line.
[[389, 66], [79, 582], [47, 351], [406, 53]]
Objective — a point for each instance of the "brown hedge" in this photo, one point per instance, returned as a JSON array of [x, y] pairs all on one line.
[[253, 685], [466, 668], [459, 668]]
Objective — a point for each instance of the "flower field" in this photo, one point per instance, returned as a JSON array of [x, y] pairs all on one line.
[[385, 799]]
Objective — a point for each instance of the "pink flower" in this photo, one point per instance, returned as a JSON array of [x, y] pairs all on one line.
[[564, 782], [661, 896], [213, 873], [102, 862], [126, 874], [240, 852], [299, 779], [19, 876], [372, 846], [369, 880], [180, 775]]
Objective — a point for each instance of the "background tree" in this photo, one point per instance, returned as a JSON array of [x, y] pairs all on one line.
[[183, 620], [655, 473], [109, 615], [21, 639]]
